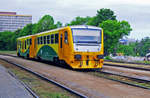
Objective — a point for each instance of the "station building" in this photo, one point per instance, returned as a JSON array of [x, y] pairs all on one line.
[[10, 21]]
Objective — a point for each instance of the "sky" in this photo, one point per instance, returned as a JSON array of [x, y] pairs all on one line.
[[136, 12]]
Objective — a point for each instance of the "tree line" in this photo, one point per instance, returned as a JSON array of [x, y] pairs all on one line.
[[104, 18]]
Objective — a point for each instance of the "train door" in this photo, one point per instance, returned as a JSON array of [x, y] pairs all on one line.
[[33, 46], [60, 49], [63, 44]]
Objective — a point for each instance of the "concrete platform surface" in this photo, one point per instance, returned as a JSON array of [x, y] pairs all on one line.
[[11, 87]]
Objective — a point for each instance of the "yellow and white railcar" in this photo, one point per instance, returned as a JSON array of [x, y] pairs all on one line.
[[81, 47]]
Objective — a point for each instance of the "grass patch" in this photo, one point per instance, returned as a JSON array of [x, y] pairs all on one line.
[[7, 52]]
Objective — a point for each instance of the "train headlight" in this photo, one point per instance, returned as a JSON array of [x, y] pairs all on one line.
[[100, 56], [77, 57]]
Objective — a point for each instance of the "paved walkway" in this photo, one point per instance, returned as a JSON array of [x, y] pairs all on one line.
[[11, 87]]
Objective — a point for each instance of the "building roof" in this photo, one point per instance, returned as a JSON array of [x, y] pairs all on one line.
[[8, 13], [12, 14]]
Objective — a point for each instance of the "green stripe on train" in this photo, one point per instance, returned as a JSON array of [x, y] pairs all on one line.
[[47, 53], [23, 54]]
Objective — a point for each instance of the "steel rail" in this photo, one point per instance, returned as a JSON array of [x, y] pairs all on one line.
[[47, 79], [133, 78], [25, 85], [123, 82], [130, 67], [124, 62]]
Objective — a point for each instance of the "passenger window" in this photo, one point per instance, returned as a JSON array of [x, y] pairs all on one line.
[[41, 39], [52, 38], [44, 39], [56, 38], [66, 37], [38, 40], [48, 39], [25, 44], [20, 44], [61, 41], [30, 41]]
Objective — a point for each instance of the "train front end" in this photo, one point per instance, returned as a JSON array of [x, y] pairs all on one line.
[[88, 47]]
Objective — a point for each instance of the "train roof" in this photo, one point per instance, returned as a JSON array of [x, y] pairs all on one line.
[[84, 27], [72, 27]]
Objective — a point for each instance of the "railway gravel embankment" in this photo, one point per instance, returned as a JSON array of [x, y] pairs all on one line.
[[89, 85]]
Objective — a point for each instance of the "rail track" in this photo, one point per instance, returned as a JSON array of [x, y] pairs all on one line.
[[45, 78], [125, 62], [139, 80], [124, 82], [130, 67], [100, 72]]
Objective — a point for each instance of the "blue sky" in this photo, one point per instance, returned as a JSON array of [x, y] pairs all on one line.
[[136, 12]]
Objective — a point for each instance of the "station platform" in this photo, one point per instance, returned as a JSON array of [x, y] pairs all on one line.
[[11, 87]]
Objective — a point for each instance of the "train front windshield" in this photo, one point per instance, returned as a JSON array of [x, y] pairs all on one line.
[[86, 36]]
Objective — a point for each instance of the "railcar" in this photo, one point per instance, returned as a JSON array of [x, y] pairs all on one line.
[[81, 46]]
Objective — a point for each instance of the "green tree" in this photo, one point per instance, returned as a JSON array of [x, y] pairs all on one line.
[[113, 31], [6, 41], [79, 21], [102, 15], [143, 47], [127, 49], [46, 23], [27, 30], [58, 24]]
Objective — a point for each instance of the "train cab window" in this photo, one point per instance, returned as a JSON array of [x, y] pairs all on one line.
[[52, 38], [66, 37], [56, 38], [48, 39], [41, 40], [25, 44], [44, 39]]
